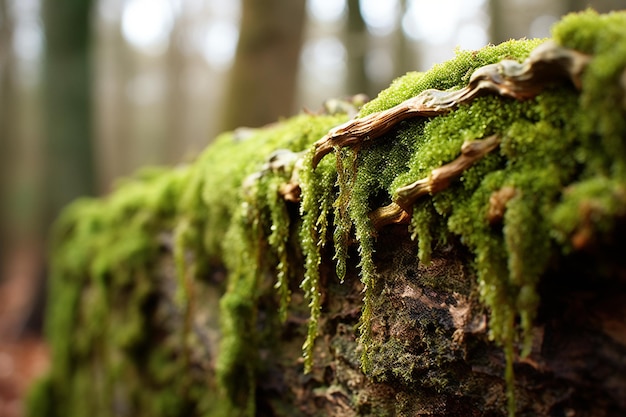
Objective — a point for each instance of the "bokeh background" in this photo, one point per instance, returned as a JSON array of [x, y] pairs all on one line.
[[91, 90]]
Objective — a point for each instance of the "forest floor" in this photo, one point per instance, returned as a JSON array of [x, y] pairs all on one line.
[[24, 355]]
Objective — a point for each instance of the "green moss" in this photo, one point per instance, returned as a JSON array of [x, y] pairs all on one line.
[[256, 242], [586, 208], [253, 215], [41, 398], [562, 152], [105, 261], [549, 144], [315, 208], [449, 75], [604, 37]]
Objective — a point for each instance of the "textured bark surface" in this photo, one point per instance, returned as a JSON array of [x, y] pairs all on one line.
[[434, 356], [263, 78]]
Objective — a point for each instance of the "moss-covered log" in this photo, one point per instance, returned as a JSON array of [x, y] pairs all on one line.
[[461, 261]]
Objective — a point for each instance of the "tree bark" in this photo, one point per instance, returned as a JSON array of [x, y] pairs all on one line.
[[435, 356], [68, 105], [263, 78], [356, 40], [176, 108], [7, 122]]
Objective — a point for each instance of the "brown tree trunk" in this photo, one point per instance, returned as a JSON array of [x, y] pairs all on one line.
[[405, 59], [191, 292], [356, 39], [434, 357], [7, 125], [176, 103], [68, 115], [263, 78], [115, 64]]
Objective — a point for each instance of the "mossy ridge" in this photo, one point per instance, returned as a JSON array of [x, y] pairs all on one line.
[[104, 250], [316, 206], [450, 75], [255, 243], [604, 37], [555, 142], [100, 286], [384, 166]]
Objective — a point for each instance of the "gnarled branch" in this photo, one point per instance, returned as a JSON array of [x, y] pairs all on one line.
[[438, 180], [547, 64]]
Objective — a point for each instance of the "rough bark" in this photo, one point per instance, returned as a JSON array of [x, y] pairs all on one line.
[[440, 361], [263, 77], [67, 88], [435, 356]]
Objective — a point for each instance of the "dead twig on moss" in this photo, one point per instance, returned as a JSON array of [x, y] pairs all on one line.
[[438, 180], [547, 64]]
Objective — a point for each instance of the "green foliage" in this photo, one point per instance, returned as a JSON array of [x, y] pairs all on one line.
[[562, 153], [256, 241], [604, 37]]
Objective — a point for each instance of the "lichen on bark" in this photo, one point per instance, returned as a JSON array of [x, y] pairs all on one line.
[[255, 221]]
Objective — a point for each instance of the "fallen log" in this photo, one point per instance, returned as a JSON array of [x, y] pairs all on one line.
[[386, 269]]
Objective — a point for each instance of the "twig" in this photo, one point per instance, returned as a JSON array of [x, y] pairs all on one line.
[[438, 180], [548, 63]]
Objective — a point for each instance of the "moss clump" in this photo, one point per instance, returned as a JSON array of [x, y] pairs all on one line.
[[561, 153], [411, 150], [105, 278], [450, 75]]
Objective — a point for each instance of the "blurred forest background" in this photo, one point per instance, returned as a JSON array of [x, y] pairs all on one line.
[[92, 90]]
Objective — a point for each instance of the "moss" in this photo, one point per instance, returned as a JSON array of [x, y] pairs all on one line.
[[604, 37], [586, 208], [562, 153], [549, 144], [449, 75], [106, 253], [41, 398], [412, 151], [256, 241]]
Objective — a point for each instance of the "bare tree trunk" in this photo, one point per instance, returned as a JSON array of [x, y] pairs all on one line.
[[175, 139], [497, 31], [114, 121], [601, 6], [356, 45], [263, 78], [68, 115], [404, 58], [7, 117]]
